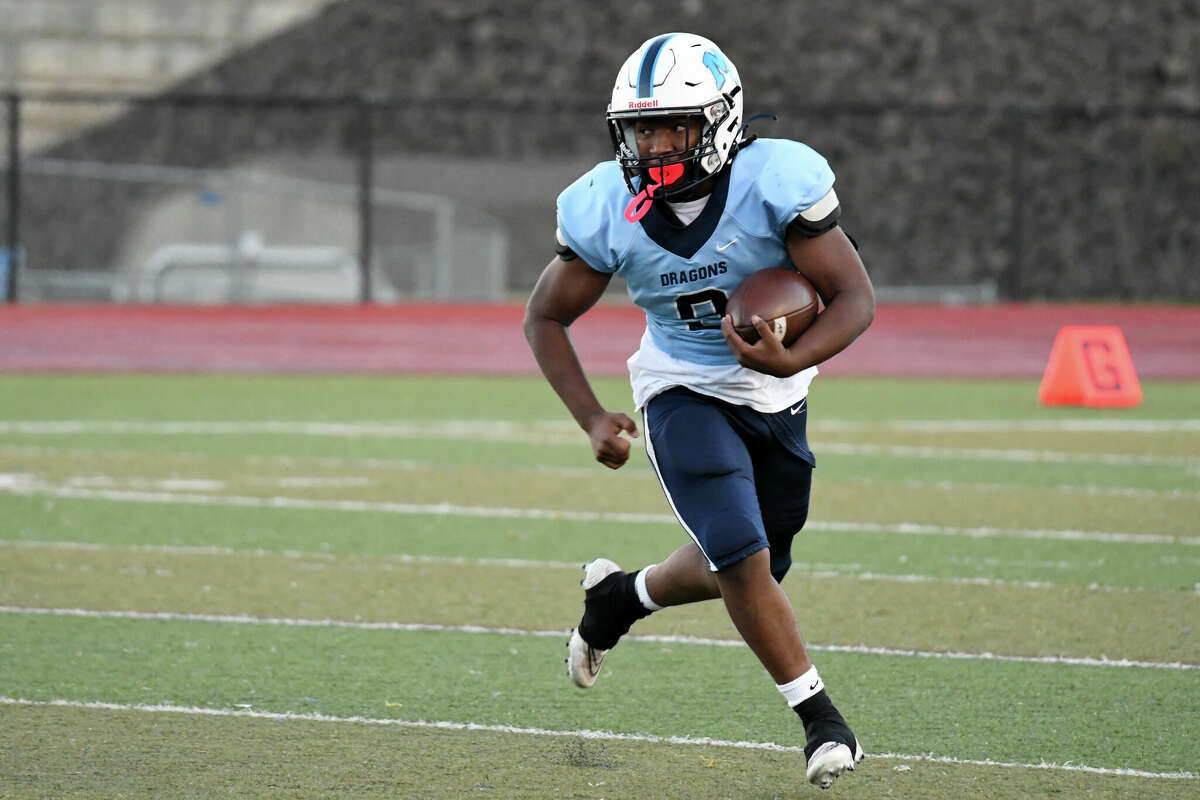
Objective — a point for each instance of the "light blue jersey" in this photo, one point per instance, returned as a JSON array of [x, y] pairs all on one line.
[[682, 276], [677, 275]]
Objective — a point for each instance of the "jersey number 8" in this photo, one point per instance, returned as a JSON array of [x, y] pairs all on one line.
[[694, 306]]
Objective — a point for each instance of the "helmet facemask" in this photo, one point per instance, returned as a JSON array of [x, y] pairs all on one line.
[[699, 159]]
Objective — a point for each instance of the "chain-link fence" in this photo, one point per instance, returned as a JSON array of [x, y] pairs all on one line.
[[261, 199], [219, 201]]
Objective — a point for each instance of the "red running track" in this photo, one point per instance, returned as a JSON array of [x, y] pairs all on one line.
[[1006, 340]]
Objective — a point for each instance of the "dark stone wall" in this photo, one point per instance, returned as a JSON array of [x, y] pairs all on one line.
[[1047, 146]]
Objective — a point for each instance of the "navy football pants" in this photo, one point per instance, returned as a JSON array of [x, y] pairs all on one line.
[[738, 480]]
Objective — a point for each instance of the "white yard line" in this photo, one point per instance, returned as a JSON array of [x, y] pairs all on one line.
[[209, 550], [580, 734], [558, 432], [1090, 490], [497, 430], [482, 427], [412, 627], [917, 529], [806, 569], [29, 485], [633, 471], [1111, 425], [1000, 454]]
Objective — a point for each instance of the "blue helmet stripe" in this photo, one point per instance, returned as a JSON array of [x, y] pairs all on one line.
[[646, 73]]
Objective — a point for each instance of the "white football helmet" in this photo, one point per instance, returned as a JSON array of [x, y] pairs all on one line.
[[677, 74]]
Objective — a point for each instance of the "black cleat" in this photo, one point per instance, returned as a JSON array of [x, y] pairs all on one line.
[[831, 750], [583, 660]]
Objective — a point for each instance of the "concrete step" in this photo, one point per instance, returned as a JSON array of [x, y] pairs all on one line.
[[122, 46]]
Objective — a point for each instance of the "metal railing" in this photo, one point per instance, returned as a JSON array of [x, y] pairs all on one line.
[[242, 259]]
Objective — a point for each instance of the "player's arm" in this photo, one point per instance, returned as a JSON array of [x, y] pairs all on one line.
[[565, 290], [830, 262]]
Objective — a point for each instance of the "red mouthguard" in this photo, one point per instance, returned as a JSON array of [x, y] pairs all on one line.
[[639, 206]]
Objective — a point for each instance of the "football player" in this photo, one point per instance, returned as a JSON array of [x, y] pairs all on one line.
[[685, 212]]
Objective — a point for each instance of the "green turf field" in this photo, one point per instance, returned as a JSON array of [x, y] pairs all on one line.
[[362, 587]]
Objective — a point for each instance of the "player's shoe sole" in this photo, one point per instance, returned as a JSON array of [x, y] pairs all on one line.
[[583, 660], [830, 760]]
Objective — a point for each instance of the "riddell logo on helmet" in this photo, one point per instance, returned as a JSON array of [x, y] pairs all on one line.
[[642, 104]]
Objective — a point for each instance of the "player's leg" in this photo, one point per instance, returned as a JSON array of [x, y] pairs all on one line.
[[702, 451], [763, 616], [680, 430], [682, 577], [706, 473], [722, 464], [614, 600], [783, 475]]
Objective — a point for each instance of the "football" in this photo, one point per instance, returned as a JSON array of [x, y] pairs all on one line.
[[781, 296]]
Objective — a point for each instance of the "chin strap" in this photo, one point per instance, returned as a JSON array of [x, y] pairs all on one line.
[[639, 206]]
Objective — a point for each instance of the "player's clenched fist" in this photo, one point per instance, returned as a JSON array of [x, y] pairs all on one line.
[[610, 447]]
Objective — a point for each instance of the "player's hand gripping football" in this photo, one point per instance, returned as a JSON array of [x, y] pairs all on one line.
[[610, 447], [767, 355]]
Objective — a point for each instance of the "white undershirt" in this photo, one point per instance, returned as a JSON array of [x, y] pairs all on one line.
[[652, 371], [689, 210]]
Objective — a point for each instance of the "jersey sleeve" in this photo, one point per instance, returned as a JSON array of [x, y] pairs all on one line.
[[585, 220], [562, 249], [796, 186]]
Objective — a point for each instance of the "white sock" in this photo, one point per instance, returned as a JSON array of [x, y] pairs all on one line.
[[804, 687], [639, 583]]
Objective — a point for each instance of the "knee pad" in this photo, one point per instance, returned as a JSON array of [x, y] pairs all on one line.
[[781, 530], [781, 562]]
